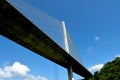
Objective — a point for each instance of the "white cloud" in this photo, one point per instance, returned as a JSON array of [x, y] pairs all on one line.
[[18, 69], [96, 67], [31, 77], [5, 74], [90, 49], [118, 55], [97, 38]]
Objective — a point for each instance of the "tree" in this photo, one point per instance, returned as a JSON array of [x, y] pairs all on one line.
[[110, 71]]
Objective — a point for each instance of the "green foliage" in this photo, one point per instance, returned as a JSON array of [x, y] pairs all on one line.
[[110, 71]]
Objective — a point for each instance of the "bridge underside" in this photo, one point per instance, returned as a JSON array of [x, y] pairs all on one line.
[[16, 27]]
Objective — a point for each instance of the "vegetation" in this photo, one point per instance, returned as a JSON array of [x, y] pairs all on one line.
[[110, 71]]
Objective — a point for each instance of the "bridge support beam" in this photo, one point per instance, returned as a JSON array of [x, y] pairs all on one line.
[[70, 73], [65, 37]]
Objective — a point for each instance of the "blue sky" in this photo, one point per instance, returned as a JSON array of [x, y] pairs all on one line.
[[93, 26]]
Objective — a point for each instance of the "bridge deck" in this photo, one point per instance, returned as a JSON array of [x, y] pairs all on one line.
[[16, 27]]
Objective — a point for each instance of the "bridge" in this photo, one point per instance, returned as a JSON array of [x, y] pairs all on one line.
[[17, 27]]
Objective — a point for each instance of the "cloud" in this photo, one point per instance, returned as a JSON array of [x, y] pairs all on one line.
[[97, 38], [96, 67], [90, 49], [118, 55], [18, 69], [5, 74]]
